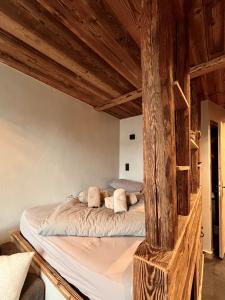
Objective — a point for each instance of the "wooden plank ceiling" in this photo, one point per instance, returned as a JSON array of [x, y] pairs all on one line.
[[90, 49], [207, 41]]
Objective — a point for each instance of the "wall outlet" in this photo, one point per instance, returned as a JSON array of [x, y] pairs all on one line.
[[132, 136], [127, 167]]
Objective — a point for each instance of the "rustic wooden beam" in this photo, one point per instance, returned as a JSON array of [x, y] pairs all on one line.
[[120, 100], [18, 55], [195, 127], [128, 13], [104, 24], [183, 116], [33, 25], [169, 274], [159, 124], [196, 71], [207, 67]]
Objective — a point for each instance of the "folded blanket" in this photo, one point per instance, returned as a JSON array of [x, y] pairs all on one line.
[[94, 197], [77, 219], [120, 200]]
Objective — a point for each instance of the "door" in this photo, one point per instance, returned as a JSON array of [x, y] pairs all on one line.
[[221, 189]]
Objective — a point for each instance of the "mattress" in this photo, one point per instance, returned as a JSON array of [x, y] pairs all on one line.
[[101, 268]]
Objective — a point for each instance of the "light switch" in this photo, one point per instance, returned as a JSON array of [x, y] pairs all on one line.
[[132, 136]]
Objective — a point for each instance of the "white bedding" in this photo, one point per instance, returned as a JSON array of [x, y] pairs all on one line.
[[101, 268]]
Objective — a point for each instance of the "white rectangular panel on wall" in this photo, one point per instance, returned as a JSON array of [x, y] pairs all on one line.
[[131, 150]]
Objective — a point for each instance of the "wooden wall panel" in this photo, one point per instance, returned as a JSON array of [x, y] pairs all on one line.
[[172, 272]]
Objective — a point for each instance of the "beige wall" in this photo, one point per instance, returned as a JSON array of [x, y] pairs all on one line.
[[131, 151], [51, 145], [209, 112]]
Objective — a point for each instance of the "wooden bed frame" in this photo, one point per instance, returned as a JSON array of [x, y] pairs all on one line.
[[169, 263], [40, 264], [184, 264]]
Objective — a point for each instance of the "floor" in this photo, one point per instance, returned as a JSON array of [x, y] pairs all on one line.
[[214, 279]]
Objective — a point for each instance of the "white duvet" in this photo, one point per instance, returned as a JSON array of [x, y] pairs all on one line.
[[73, 218]]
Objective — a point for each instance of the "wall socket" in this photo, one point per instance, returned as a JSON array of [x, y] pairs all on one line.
[[132, 136], [127, 167]]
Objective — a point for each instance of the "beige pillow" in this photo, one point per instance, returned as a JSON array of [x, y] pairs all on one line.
[[128, 185], [109, 202], [132, 198], [119, 201], [94, 197], [83, 197], [13, 272]]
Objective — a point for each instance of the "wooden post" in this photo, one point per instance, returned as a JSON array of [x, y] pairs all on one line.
[[159, 123], [195, 126], [182, 75]]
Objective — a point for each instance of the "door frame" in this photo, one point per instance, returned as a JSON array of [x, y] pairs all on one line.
[[215, 124], [221, 168]]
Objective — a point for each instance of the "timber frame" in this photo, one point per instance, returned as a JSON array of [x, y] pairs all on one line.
[[168, 265]]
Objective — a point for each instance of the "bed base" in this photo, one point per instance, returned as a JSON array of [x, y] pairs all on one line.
[[40, 264]]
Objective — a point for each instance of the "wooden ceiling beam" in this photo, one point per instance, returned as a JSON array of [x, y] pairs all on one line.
[[196, 71], [120, 100], [128, 12], [23, 58], [99, 29], [26, 21], [207, 67]]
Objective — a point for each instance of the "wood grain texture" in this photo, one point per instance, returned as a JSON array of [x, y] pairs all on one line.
[[182, 70], [195, 126], [181, 102], [207, 67], [96, 25], [102, 59], [159, 123], [24, 58], [128, 12], [30, 23], [174, 270], [207, 47], [120, 100]]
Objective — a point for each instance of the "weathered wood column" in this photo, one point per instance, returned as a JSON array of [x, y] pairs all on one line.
[[182, 75], [159, 123]]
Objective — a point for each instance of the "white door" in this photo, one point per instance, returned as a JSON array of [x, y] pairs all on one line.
[[221, 189]]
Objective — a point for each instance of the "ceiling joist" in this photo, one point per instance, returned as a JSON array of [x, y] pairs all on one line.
[[125, 58], [121, 100], [91, 49], [207, 67]]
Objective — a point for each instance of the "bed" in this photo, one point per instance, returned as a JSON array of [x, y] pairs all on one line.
[[101, 268]]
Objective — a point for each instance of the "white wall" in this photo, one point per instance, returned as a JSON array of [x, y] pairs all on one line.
[[51, 145], [209, 112], [131, 151]]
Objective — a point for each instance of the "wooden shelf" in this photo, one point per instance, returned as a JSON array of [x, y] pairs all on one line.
[[183, 168], [194, 146], [181, 101]]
